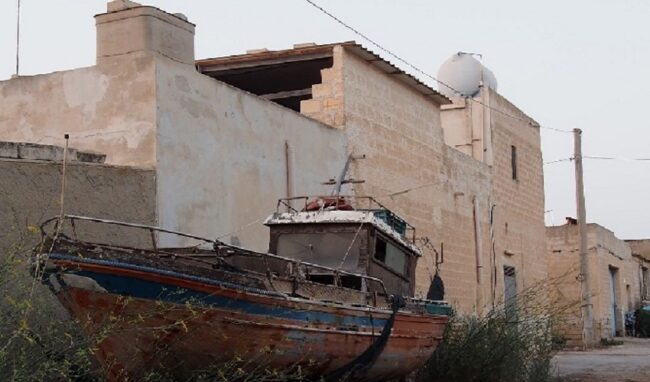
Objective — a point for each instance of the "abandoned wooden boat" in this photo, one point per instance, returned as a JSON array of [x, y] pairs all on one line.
[[333, 296]]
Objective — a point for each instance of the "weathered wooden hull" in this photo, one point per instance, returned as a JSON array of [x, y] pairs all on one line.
[[139, 319]]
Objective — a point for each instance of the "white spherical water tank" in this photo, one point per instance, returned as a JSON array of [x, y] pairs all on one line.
[[464, 73]]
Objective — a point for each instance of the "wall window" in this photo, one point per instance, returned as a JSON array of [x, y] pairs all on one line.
[[390, 255], [513, 161]]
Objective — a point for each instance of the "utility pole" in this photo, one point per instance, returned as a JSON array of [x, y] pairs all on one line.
[[586, 305]]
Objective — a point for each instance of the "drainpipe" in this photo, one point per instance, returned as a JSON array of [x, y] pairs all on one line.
[[479, 257], [487, 130]]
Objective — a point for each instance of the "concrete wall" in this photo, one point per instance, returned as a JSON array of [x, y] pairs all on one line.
[[606, 252], [221, 162], [30, 194], [108, 109]]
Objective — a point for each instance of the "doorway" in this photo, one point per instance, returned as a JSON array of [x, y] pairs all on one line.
[[613, 279], [510, 285]]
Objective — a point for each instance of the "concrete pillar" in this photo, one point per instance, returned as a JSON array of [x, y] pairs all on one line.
[[129, 28]]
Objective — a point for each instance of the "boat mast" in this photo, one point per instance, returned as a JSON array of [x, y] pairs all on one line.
[[340, 181]]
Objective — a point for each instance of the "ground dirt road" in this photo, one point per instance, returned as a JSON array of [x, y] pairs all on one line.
[[629, 362]]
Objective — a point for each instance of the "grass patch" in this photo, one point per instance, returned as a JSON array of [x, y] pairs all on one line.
[[606, 342]]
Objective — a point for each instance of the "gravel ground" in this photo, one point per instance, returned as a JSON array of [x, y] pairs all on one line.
[[629, 362]]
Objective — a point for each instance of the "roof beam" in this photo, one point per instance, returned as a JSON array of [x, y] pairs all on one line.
[[287, 94]]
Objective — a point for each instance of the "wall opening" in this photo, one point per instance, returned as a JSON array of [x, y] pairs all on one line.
[[513, 161], [510, 287], [613, 299], [281, 77]]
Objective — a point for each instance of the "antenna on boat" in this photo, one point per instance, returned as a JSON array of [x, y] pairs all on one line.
[[62, 200], [340, 181]]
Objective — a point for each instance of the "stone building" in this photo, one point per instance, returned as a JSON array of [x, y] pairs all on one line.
[[641, 253], [218, 153], [225, 137], [416, 161], [616, 277]]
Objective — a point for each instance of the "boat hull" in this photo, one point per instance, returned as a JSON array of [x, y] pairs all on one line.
[[139, 320]]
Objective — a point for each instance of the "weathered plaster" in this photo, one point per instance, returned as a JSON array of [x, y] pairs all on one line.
[[221, 156], [108, 109]]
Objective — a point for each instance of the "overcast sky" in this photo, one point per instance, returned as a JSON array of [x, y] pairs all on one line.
[[567, 64]]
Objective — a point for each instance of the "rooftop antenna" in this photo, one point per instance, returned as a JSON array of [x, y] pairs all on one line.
[[18, 38]]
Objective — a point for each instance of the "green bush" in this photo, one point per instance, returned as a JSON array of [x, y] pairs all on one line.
[[37, 341], [510, 343]]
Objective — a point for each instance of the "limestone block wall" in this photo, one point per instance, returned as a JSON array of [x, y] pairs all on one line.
[[222, 159], [613, 254], [606, 254], [398, 130], [519, 212], [463, 180], [409, 168], [564, 268], [326, 104]]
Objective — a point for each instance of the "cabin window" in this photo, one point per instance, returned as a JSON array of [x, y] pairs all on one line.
[[391, 256], [326, 249]]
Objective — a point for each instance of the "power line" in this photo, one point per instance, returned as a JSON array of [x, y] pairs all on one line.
[[596, 157], [559, 160], [616, 158], [422, 72]]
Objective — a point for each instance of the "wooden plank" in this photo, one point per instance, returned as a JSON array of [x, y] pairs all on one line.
[[256, 60], [287, 94]]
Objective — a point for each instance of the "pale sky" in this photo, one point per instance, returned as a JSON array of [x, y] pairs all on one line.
[[568, 64]]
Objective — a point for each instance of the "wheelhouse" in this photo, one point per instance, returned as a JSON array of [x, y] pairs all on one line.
[[351, 234]]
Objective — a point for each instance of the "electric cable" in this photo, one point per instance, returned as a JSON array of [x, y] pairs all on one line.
[[422, 72]]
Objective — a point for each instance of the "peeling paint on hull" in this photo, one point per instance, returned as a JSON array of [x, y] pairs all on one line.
[[141, 321]]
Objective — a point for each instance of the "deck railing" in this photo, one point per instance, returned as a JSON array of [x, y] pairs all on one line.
[[220, 248]]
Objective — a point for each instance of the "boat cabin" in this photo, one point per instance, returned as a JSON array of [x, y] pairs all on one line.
[[361, 237]]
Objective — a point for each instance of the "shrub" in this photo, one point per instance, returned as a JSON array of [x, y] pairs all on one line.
[[37, 341], [643, 323], [510, 343]]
